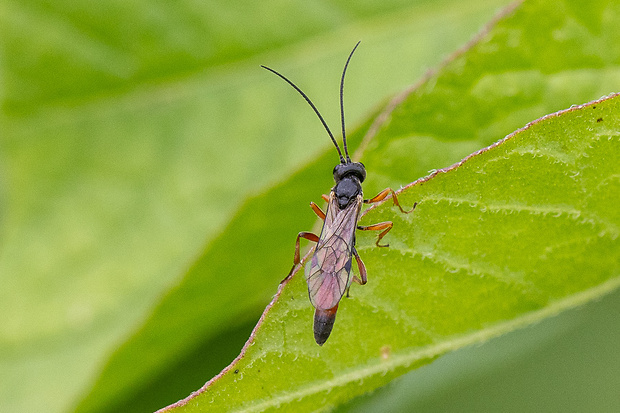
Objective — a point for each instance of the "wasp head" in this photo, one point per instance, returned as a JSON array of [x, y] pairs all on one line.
[[343, 170]]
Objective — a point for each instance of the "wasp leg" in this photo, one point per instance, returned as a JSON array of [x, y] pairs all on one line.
[[383, 194], [325, 198], [296, 259], [306, 235], [385, 226], [361, 267], [317, 210]]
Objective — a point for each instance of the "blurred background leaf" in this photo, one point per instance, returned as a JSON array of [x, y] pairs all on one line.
[[136, 252]]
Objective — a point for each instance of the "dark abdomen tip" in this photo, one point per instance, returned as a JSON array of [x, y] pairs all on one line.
[[323, 324]]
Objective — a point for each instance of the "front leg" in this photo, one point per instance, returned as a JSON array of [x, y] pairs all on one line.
[[383, 194], [317, 210]]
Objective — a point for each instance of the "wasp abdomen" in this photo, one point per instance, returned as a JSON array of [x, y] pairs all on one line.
[[323, 324]]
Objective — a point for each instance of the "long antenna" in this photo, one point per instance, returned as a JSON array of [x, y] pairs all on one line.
[[344, 136], [315, 110]]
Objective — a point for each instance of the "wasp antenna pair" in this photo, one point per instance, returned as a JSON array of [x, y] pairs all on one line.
[[328, 273], [329, 132]]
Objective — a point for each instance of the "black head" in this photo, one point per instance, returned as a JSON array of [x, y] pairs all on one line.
[[343, 170]]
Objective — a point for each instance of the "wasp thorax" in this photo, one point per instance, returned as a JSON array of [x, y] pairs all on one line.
[[346, 190], [356, 169]]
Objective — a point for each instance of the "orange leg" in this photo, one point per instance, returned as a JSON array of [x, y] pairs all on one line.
[[317, 210], [383, 194], [296, 259], [325, 198], [306, 235], [385, 227], [361, 267]]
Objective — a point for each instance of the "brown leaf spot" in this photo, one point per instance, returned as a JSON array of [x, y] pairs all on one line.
[[385, 352]]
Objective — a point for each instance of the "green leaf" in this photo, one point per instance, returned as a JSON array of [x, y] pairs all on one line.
[[134, 138], [577, 348], [491, 247]]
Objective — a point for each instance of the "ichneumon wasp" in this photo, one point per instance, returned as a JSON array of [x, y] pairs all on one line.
[[328, 273]]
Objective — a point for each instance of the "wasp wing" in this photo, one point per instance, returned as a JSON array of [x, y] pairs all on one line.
[[329, 270]]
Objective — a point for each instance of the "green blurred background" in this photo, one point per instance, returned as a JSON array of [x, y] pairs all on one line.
[[132, 134]]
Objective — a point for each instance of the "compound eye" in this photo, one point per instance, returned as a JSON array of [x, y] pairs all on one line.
[[338, 172], [358, 170], [362, 172]]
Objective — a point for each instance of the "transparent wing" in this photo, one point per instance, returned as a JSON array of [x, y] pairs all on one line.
[[328, 272]]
